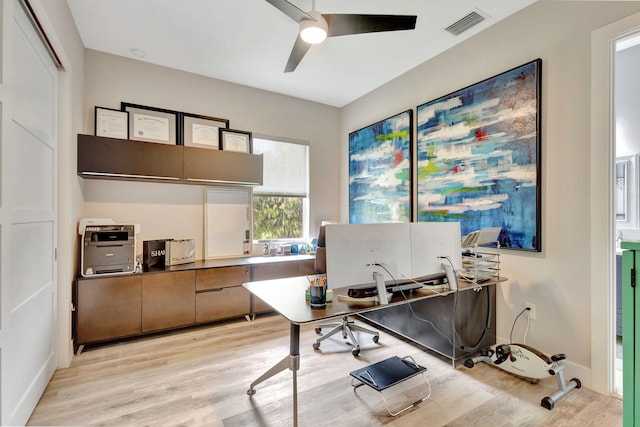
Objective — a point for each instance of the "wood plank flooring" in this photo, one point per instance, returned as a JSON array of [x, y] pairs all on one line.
[[199, 377]]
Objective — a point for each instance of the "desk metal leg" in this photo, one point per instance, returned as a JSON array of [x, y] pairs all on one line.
[[292, 361]]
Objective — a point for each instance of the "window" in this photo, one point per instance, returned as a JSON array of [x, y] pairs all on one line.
[[280, 207]]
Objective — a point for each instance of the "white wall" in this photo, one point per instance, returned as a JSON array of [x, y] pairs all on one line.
[[557, 279], [176, 210]]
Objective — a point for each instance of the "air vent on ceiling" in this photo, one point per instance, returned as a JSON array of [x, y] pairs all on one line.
[[465, 23]]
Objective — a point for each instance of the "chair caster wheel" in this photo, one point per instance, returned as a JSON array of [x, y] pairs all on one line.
[[251, 392], [318, 330], [376, 338], [469, 363], [355, 352], [547, 403], [316, 345]]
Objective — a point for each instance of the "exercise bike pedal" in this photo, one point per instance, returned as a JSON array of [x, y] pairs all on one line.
[[487, 352]]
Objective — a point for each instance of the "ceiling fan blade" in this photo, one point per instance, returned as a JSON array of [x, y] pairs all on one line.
[[345, 24], [290, 10], [300, 48]]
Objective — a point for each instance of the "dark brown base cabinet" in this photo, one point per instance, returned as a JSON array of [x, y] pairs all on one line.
[[115, 307], [219, 293], [168, 300], [108, 308]]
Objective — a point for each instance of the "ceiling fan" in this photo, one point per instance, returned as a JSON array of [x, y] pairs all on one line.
[[315, 27]]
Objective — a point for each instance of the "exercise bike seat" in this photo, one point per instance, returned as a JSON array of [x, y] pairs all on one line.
[[558, 357]]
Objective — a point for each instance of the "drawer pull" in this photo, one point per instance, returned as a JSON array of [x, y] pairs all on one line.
[[210, 290]]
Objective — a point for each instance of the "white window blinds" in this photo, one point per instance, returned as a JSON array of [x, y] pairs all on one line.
[[285, 167]]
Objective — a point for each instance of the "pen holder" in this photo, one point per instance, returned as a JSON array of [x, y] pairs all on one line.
[[329, 293], [318, 296]]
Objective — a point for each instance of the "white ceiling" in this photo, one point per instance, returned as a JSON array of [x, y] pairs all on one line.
[[248, 41]]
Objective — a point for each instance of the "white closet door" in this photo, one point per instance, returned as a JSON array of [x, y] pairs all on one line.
[[28, 223]]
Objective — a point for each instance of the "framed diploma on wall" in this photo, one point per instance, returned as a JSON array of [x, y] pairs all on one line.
[[150, 124], [202, 131], [111, 123], [236, 140]]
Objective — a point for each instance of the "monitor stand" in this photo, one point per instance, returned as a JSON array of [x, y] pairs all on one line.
[[381, 287]]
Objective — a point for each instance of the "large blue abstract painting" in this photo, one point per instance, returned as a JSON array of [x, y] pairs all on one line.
[[380, 173], [478, 152]]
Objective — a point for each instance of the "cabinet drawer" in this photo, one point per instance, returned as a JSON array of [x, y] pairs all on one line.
[[168, 300], [276, 270], [307, 267], [108, 308], [222, 277], [222, 304]]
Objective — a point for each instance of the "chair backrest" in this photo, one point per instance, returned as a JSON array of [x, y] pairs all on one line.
[[321, 253]]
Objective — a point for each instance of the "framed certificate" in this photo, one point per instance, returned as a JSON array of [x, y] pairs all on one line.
[[236, 140], [111, 123], [202, 131], [151, 124]]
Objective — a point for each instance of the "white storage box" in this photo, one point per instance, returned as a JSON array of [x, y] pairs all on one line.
[[180, 252]]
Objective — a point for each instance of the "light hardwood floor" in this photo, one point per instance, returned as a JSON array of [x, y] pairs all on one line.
[[199, 377]]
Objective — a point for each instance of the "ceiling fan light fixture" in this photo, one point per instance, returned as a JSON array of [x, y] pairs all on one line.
[[314, 32]]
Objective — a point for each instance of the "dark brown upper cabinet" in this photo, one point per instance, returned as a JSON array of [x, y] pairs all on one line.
[[110, 158], [201, 164]]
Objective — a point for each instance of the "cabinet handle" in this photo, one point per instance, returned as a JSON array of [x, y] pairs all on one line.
[[210, 290]]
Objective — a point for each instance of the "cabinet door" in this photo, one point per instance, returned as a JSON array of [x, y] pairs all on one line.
[[119, 158], [108, 308], [276, 270], [630, 334], [168, 300], [201, 164]]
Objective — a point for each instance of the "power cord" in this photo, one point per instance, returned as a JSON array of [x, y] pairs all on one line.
[[465, 348], [476, 288], [514, 325], [413, 313]]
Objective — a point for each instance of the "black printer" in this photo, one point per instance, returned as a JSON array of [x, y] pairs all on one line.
[[108, 249]]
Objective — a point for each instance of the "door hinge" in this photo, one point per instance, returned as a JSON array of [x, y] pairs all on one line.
[[55, 254], [633, 277]]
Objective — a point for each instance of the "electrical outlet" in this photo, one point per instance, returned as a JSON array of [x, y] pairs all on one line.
[[532, 310]]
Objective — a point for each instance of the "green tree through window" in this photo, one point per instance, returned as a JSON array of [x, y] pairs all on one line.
[[277, 217]]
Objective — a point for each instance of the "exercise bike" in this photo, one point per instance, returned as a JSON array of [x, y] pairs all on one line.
[[527, 362]]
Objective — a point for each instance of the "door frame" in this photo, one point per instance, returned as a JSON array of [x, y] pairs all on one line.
[[602, 147]]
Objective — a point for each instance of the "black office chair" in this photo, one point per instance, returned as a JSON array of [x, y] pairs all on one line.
[[346, 326]]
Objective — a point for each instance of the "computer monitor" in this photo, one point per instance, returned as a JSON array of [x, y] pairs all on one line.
[[356, 251], [397, 252], [430, 242]]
